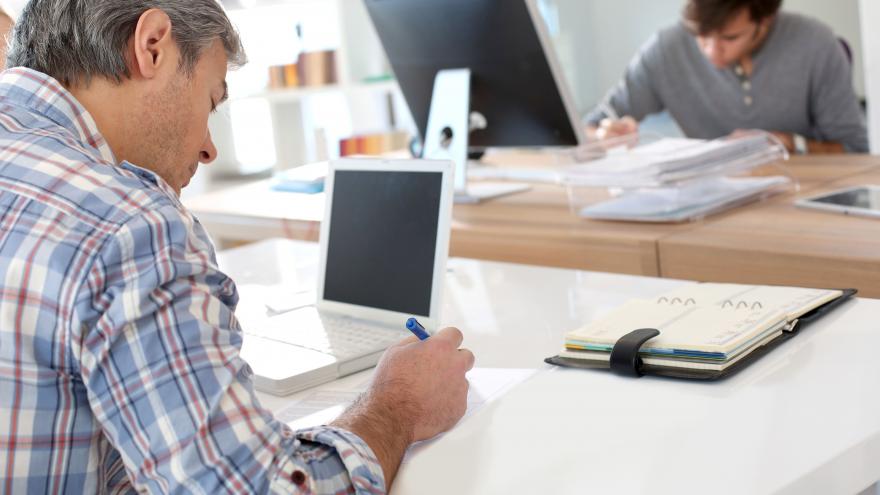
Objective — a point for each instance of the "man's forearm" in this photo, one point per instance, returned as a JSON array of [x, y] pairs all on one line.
[[813, 147], [825, 147], [378, 424]]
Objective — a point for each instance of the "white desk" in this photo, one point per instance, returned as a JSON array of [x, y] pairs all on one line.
[[804, 419]]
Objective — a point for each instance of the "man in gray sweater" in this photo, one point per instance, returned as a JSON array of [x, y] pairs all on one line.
[[741, 64]]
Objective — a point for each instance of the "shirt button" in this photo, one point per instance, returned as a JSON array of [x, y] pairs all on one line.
[[747, 85], [298, 477], [739, 70], [748, 101]]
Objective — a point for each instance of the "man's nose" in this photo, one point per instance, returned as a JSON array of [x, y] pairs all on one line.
[[209, 151]]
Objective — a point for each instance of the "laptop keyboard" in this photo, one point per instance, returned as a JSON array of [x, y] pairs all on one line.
[[343, 338]]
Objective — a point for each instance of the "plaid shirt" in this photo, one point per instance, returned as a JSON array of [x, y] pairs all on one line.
[[119, 351]]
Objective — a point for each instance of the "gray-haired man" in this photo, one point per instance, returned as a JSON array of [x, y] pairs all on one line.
[[119, 351]]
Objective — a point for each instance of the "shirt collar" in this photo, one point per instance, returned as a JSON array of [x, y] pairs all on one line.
[[152, 178], [46, 96]]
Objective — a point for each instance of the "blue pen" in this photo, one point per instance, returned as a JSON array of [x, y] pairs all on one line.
[[416, 328]]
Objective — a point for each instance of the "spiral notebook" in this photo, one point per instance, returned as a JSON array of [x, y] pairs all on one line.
[[703, 330]]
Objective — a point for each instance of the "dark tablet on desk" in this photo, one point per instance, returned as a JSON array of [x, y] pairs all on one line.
[[860, 200]]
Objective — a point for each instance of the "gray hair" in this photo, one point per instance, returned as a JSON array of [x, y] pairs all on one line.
[[76, 40]]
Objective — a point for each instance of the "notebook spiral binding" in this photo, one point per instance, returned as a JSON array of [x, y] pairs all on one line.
[[725, 304], [742, 304], [676, 300]]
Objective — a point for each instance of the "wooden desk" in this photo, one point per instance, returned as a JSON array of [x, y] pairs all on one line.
[[815, 170], [777, 243], [254, 212], [536, 227]]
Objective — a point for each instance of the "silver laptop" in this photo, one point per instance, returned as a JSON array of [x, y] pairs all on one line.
[[384, 242]]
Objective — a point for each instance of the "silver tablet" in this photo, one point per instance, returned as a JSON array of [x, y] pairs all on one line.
[[860, 200]]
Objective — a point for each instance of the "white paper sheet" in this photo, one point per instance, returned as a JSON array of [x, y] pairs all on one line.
[[324, 404]]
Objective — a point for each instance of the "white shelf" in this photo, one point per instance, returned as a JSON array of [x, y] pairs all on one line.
[[292, 95]]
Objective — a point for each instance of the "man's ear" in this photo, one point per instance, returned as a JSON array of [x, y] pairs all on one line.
[[153, 44], [768, 22]]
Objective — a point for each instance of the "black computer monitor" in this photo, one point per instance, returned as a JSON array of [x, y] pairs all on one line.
[[516, 83]]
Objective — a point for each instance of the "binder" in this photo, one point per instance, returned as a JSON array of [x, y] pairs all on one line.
[[628, 356]]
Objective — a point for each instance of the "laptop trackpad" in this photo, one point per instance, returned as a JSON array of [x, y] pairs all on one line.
[[281, 368]]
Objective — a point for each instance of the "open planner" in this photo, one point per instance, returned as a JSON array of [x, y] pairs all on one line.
[[699, 331]]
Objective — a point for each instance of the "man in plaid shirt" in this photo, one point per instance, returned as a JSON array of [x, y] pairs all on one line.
[[119, 350]]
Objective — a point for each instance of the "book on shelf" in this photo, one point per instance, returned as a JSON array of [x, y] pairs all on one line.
[[705, 330], [312, 69], [317, 68], [373, 144]]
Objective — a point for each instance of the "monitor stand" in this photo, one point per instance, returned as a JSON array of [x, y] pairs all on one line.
[[449, 125]]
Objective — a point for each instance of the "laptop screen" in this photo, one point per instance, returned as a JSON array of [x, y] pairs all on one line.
[[382, 239]]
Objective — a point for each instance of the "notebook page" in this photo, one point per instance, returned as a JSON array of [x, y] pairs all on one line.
[[792, 301], [683, 326]]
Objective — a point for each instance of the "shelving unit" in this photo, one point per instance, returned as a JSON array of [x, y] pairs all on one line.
[[262, 129]]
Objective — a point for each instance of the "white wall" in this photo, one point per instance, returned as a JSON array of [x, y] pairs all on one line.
[[599, 37], [870, 13], [843, 17]]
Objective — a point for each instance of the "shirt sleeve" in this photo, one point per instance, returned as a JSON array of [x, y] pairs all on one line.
[[635, 95], [167, 384], [834, 106]]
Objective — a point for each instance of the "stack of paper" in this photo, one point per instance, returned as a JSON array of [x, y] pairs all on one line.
[[686, 202], [668, 161], [675, 180]]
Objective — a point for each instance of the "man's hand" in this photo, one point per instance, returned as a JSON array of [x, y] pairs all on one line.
[[787, 140], [609, 128], [419, 391]]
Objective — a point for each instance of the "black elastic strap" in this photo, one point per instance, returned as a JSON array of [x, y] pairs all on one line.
[[625, 358]]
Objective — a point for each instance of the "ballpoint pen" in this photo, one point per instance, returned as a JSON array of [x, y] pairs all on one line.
[[417, 329]]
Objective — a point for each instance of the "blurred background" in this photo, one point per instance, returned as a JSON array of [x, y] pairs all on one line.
[[318, 85]]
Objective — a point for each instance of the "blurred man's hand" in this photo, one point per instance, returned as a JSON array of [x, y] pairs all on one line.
[[610, 128]]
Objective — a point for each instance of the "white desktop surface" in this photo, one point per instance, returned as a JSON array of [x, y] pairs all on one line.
[[803, 419]]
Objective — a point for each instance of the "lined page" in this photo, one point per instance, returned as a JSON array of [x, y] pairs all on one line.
[[793, 301], [714, 318], [694, 328]]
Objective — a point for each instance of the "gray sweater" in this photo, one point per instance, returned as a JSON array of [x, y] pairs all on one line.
[[801, 83]]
